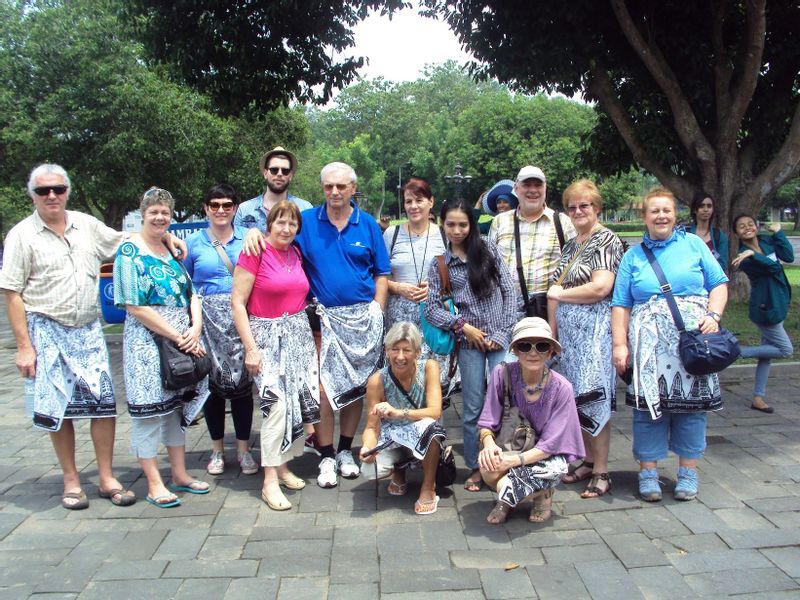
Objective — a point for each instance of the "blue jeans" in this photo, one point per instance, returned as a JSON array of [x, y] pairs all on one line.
[[472, 364], [774, 344], [683, 433]]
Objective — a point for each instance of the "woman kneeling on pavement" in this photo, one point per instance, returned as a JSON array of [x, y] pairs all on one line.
[[404, 403], [545, 401]]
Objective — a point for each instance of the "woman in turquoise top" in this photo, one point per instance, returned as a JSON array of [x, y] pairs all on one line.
[[760, 257], [155, 291], [704, 226]]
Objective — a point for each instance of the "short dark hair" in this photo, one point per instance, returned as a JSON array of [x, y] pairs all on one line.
[[221, 190]]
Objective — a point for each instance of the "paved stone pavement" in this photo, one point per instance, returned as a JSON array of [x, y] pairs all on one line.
[[740, 538]]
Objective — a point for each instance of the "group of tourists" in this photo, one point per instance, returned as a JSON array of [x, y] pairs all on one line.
[[318, 308]]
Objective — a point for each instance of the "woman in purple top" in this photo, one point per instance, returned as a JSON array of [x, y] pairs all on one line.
[[546, 401]]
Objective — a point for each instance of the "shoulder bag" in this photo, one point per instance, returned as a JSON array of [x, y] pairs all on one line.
[[701, 353], [516, 434], [441, 341]]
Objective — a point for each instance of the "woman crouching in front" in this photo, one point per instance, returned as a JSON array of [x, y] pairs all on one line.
[[545, 401], [404, 403]]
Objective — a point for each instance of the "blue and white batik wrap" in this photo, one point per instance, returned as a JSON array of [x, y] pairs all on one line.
[[222, 343]]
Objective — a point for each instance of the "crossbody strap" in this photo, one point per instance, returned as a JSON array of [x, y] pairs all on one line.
[[394, 239], [666, 288], [220, 250], [399, 386], [559, 229], [189, 281], [506, 387], [523, 287], [444, 276]]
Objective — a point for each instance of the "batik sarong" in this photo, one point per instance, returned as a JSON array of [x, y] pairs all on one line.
[[527, 480], [417, 436], [222, 343], [352, 350], [660, 383], [584, 331], [402, 309], [289, 373], [140, 360], [73, 377]]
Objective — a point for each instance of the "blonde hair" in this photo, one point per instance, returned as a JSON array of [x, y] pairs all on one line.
[[581, 188], [404, 331], [659, 192]]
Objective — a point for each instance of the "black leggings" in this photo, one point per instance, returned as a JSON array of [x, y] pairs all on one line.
[[241, 412]]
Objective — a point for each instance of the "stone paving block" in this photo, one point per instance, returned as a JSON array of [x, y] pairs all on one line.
[[141, 589], [482, 535], [98, 544], [767, 505], [261, 588], [69, 576], [568, 555], [292, 520], [291, 558], [608, 579], [501, 584], [703, 542], [496, 559], [443, 536], [698, 518], [761, 538], [406, 514], [15, 592], [784, 520], [353, 591], [181, 545], [228, 547], [705, 562], [9, 522], [742, 518], [459, 595], [786, 559], [614, 522], [24, 558], [178, 522], [258, 534], [741, 581], [33, 525], [317, 500], [541, 539], [607, 502], [292, 588], [191, 589], [715, 496], [234, 521], [635, 550], [557, 582], [661, 583], [414, 561], [354, 537], [347, 519], [404, 537], [41, 541], [186, 569], [144, 569], [354, 565], [431, 581]]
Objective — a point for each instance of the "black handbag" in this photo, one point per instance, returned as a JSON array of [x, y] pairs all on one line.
[[446, 469], [701, 353], [179, 369]]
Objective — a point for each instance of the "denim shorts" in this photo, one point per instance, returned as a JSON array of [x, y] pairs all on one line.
[[683, 433], [146, 433]]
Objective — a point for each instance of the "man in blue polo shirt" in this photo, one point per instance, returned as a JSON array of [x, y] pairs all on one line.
[[347, 266]]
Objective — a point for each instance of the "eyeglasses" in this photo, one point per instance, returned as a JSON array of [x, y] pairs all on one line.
[[215, 206], [541, 347], [578, 207], [341, 187], [45, 190], [281, 170]]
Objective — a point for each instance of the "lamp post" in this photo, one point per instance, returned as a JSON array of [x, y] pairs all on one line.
[[458, 180]]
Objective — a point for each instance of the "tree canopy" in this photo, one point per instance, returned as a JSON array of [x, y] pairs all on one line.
[[704, 95]]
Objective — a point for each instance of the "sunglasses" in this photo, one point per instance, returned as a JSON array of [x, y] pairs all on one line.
[[341, 187], [45, 190], [215, 206], [541, 347], [579, 207], [281, 170]]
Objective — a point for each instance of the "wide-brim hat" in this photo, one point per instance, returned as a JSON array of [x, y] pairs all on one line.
[[278, 150], [533, 328], [502, 190]]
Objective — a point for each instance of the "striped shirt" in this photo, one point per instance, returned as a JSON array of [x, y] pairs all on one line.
[[539, 248], [57, 276]]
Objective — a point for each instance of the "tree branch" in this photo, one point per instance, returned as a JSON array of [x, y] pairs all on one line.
[[686, 125], [783, 166], [599, 85], [723, 70]]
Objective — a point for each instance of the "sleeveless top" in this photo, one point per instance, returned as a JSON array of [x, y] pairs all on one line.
[[398, 397]]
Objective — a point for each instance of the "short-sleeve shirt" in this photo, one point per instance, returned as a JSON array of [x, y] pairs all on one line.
[[412, 256], [688, 266], [539, 247], [58, 276], [143, 279], [253, 214], [602, 251], [280, 284], [342, 265], [209, 274]]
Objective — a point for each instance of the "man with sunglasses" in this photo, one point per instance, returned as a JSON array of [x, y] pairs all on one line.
[[278, 167], [49, 277]]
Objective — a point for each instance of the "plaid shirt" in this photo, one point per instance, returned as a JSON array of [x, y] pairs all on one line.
[[540, 251], [494, 314]]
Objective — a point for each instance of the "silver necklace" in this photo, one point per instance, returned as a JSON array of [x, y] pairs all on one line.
[[533, 389], [286, 261]]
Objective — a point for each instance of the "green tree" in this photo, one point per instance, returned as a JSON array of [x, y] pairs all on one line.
[[701, 94]]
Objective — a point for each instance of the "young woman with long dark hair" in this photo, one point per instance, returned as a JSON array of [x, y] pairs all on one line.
[[484, 293], [704, 225]]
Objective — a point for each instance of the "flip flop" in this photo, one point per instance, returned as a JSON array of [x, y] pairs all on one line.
[[169, 504], [428, 507], [118, 496], [397, 489], [189, 489], [82, 501]]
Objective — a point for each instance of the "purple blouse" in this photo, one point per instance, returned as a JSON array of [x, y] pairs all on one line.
[[553, 415]]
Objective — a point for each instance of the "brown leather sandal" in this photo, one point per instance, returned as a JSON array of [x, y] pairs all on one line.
[[499, 513], [592, 491], [542, 507]]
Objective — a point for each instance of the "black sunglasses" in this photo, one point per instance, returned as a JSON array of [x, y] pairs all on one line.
[[541, 347], [45, 190], [215, 206], [282, 170]]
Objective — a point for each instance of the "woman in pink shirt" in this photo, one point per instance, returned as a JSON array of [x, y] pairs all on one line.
[[268, 302]]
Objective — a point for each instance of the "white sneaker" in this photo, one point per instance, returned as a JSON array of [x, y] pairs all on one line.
[[247, 463], [216, 464], [346, 466], [327, 477]]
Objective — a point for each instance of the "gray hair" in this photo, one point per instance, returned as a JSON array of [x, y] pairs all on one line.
[[337, 166], [404, 331], [47, 169], [155, 196]]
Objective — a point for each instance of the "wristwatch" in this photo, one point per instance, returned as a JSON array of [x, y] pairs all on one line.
[[714, 315]]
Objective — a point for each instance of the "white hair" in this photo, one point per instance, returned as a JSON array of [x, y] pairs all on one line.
[[337, 166], [47, 169], [404, 331]]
